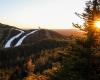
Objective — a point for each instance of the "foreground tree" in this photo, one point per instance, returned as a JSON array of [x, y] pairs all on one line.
[[90, 17]]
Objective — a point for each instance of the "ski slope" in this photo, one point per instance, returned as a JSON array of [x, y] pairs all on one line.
[[8, 44], [21, 40]]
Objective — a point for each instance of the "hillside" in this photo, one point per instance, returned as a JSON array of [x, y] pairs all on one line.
[[4, 31], [43, 35], [41, 54], [7, 32], [17, 37]]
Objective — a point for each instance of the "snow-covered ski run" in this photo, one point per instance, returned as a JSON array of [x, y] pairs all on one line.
[[8, 44], [21, 39]]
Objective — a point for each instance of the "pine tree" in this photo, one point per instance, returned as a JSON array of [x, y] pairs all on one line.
[[90, 16]]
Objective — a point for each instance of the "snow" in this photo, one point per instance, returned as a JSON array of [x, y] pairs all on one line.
[[21, 40], [8, 44]]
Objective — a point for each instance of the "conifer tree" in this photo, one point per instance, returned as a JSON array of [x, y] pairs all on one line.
[[90, 16]]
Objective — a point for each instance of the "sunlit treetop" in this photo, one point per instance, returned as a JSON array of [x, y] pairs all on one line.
[[91, 16]]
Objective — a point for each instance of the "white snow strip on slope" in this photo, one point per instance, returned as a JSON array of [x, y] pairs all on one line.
[[8, 44], [21, 40]]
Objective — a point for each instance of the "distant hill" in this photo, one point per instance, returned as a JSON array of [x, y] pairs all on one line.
[[9, 32], [69, 32], [15, 35], [43, 34]]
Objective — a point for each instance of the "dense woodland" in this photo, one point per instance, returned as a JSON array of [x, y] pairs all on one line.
[[42, 59], [61, 60]]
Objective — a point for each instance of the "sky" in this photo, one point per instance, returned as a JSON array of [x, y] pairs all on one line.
[[49, 14]]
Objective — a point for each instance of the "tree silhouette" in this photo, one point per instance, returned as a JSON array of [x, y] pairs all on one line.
[[90, 15]]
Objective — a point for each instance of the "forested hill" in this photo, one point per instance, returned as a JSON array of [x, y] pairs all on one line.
[[35, 53], [12, 37]]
